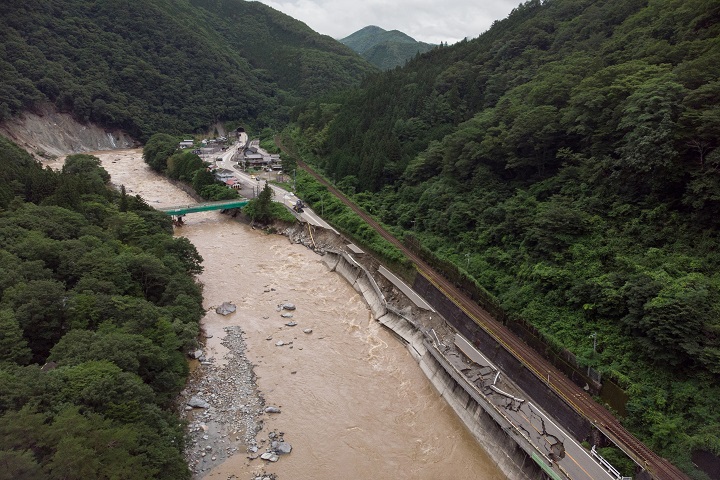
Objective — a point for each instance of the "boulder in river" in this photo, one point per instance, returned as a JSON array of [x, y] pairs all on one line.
[[226, 308], [272, 409], [197, 402], [287, 306], [269, 456], [283, 448]]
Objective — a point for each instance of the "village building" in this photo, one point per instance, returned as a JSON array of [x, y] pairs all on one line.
[[254, 160], [233, 183], [255, 157], [223, 174]]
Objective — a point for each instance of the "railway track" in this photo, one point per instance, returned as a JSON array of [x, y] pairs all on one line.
[[658, 467]]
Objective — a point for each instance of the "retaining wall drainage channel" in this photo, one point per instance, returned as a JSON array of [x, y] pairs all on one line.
[[522, 439]]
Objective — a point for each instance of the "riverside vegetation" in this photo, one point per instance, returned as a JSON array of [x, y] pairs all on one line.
[[95, 287], [566, 160]]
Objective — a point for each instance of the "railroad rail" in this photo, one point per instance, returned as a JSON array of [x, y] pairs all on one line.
[[579, 400]]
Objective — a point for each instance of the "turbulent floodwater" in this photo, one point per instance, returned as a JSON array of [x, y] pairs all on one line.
[[355, 405]]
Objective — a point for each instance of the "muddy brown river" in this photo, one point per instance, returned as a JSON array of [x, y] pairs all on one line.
[[355, 405]]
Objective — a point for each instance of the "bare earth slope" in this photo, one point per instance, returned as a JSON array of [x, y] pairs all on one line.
[[49, 133]]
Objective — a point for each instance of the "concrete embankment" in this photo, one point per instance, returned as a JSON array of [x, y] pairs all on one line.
[[488, 427], [542, 395]]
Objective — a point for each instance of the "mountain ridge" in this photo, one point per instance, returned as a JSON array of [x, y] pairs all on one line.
[[385, 49], [168, 66]]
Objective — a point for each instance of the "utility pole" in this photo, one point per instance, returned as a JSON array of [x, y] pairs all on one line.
[[294, 179]]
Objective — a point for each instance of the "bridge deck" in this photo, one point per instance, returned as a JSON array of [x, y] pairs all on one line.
[[205, 207]]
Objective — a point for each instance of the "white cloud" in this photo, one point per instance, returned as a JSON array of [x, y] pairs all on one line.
[[424, 20]]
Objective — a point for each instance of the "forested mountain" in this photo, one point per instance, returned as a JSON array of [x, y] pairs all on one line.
[[568, 160], [165, 65], [385, 49], [94, 287]]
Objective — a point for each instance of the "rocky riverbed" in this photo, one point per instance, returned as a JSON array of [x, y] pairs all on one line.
[[222, 406], [222, 403]]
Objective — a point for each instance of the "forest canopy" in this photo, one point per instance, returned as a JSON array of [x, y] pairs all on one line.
[[98, 305]]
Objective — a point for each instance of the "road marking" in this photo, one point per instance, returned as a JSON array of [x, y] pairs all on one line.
[[567, 455]]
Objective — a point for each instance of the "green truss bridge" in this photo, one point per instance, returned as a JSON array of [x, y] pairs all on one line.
[[205, 207]]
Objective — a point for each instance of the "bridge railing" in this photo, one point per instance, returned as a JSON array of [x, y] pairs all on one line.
[[204, 207]]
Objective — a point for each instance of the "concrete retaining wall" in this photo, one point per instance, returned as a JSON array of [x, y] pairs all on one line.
[[492, 433], [486, 425]]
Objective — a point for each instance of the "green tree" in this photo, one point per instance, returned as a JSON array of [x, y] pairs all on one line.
[[98, 384], [86, 165], [73, 284], [650, 119], [19, 464], [260, 209], [148, 272], [23, 434], [683, 318], [158, 149], [13, 347], [217, 192], [39, 308], [534, 138], [183, 250], [183, 165], [133, 353], [201, 179], [123, 206]]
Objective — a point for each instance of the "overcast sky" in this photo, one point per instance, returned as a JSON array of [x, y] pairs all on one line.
[[431, 21]]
